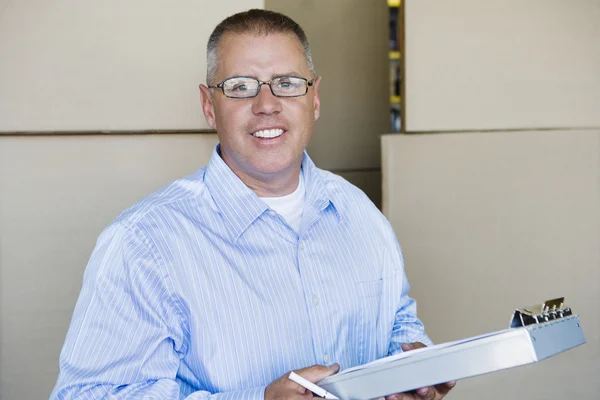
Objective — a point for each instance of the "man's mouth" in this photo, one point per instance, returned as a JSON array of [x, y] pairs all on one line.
[[268, 133]]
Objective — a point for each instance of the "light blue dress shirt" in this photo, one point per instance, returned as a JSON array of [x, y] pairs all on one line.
[[200, 291]]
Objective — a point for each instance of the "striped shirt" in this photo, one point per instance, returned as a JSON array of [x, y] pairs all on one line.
[[200, 291]]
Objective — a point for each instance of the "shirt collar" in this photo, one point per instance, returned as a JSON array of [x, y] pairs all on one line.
[[241, 206], [316, 190]]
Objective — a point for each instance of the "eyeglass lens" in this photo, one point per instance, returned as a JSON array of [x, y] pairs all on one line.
[[284, 86]]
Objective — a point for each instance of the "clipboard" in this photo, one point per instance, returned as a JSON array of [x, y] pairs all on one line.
[[535, 333]]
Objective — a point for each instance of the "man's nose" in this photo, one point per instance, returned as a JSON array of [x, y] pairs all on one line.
[[265, 102]]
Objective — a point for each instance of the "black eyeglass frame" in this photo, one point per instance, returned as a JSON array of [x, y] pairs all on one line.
[[260, 83]]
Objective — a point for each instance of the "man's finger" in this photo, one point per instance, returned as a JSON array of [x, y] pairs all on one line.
[[426, 393], [318, 372], [444, 388], [401, 396]]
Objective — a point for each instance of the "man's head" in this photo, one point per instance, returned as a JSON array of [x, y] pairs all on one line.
[[263, 129], [259, 23]]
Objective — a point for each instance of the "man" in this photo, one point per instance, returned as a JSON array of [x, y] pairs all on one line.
[[219, 285]]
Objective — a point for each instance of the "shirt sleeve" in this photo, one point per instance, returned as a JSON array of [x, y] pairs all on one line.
[[128, 333], [407, 327]]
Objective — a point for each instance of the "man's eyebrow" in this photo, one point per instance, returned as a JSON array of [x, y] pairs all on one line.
[[273, 76], [292, 73]]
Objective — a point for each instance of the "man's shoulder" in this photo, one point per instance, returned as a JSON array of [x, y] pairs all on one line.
[[165, 200], [345, 193], [357, 208]]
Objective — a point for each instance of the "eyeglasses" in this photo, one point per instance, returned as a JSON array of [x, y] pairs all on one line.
[[244, 87]]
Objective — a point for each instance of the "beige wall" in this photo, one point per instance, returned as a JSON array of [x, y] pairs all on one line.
[[490, 222], [496, 220], [511, 64], [69, 65], [57, 194], [349, 40]]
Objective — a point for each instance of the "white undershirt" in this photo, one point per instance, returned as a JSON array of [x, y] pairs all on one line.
[[290, 206]]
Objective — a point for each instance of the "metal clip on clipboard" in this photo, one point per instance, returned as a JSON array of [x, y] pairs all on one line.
[[545, 312]]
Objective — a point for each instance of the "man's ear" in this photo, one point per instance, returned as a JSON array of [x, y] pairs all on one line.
[[316, 99], [207, 106]]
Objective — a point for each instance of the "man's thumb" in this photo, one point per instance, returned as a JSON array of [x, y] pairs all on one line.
[[334, 368], [412, 346], [407, 346], [318, 372]]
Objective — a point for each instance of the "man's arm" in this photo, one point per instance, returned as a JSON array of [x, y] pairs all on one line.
[[164, 389], [408, 334], [128, 332], [407, 327]]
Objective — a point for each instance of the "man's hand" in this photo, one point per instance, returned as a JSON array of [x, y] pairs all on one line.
[[285, 389], [427, 393]]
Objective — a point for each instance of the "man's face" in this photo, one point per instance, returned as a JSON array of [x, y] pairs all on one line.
[[237, 121]]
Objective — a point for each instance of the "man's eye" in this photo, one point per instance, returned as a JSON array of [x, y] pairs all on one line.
[[287, 84], [240, 88]]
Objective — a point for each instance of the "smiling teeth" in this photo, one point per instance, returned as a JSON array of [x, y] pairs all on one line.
[[268, 133]]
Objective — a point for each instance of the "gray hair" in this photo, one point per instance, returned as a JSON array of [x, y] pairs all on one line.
[[257, 22]]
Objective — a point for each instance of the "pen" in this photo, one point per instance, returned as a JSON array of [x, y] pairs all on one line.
[[319, 391]]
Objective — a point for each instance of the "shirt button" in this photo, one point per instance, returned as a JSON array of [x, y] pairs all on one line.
[[326, 358], [316, 300], [272, 213], [301, 245]]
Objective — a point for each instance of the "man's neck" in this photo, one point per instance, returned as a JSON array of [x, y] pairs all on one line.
[[267, 184], [277, 185]]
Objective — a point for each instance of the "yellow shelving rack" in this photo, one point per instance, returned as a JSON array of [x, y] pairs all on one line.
[[395, 62]]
